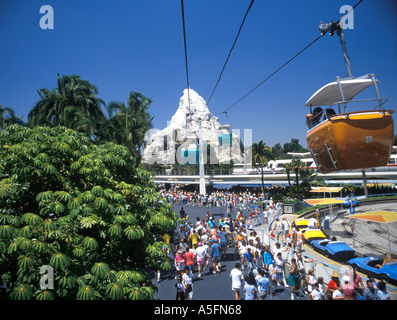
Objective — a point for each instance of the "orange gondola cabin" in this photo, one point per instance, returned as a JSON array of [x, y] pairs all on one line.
[[341, 140]]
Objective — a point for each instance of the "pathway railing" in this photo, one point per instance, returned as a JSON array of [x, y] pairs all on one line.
[[322, 267]]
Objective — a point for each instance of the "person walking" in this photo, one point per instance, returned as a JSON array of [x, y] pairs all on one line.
[[267, 256], [280, 270], [200, 255], [189, 259], [263, 285], [182, 213], [278, 230], [237, 280], [187, 282], [299, 240], [300, 261], [179, 264], [250, 287], [194, 238], [248, 259], [215, 256], [242, 250], [286, 226], [293, 278], [180, 290], [183, 246], [222, 238], [272, 275]]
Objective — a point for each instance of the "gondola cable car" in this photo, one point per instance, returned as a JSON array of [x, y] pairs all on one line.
[[225, 134], [345, 140]]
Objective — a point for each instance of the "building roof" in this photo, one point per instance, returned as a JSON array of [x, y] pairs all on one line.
[[376, 216], [317, 202], [326, 189]]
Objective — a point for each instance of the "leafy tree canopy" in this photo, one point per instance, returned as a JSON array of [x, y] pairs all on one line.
[[82, 209]]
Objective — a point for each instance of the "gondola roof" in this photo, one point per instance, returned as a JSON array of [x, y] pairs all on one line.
[[330, 93]]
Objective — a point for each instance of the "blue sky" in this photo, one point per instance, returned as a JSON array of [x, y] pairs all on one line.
[[122, 46]]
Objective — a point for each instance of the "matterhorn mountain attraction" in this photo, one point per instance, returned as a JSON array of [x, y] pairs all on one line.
[[179, 142]]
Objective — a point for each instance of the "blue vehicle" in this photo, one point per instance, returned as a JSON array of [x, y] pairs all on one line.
[[337, 250], [354, 202], [387, 273]]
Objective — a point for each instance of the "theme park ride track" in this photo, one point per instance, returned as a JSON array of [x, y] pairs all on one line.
[[364, 239], [345, 229]]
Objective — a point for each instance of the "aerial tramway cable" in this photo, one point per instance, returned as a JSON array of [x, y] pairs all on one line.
[[184, 42], [271, 75], [296, 55], [230, 52]]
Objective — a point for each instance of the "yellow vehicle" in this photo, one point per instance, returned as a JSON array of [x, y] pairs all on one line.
[[313, 234], [300, 223]]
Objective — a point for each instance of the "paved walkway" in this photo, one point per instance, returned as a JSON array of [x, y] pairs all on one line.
[[211, 286], [218, 286]]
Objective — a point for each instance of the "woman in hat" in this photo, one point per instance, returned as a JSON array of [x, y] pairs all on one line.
[[334, 283]]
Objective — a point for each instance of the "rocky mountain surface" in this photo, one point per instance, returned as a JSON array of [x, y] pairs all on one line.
[[179, 141]]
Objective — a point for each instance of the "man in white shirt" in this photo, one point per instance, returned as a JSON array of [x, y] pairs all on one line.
[[280, 269], [242, 248], [312, 223], [237, 280]]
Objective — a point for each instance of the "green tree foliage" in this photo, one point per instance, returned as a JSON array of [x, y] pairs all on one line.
[[296, 166], [82, 209], [292, 146], [261, 155], [7, 116], [73, 104], [128, 124]]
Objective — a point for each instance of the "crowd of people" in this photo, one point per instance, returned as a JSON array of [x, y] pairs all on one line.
[[200, 246], [197, 249], [219, 198]]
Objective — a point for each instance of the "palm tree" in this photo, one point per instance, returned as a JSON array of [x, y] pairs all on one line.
[[288, 169], [72, 100], [296, 166], [364, 182], [261, 153], [128, 124], [7, 116], [349, 188]]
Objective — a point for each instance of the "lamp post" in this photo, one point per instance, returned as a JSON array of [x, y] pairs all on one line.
[[201, 165]]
